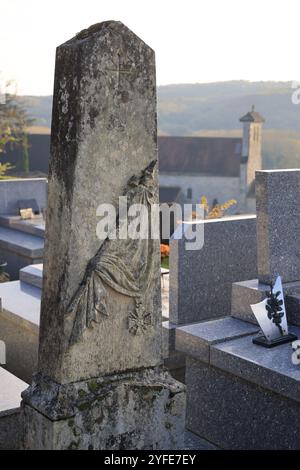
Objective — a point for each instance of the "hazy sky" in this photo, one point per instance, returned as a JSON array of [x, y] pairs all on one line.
[[194, 40]]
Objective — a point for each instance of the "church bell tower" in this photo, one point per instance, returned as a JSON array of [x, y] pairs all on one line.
[[251, 159]]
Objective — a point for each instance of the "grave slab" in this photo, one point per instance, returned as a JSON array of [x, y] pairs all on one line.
[[19, 327], [196, 339], [10, 399], [270, 369], [21, 243], [32, 275], [35, 226], [19, 249]]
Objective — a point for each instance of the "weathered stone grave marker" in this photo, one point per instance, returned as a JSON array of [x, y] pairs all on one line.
[[100, 384]]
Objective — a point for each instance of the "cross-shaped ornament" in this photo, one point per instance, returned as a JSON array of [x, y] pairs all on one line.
[[119, 70]]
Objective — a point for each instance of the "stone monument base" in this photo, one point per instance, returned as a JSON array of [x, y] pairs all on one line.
[[240, 396], [235, 414], [134, 410]]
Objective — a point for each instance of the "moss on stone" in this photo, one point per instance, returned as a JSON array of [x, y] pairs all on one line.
[[93, 386], [84, 406]]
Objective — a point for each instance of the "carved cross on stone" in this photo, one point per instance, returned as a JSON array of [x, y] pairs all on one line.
[[122, 69], [139, 320]]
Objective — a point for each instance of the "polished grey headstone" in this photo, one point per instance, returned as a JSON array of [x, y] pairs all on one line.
[[292, 304], [278, 225], [168, 338], [196, 339], [268, 368], [35, 226], [235, 414], [200, 280]]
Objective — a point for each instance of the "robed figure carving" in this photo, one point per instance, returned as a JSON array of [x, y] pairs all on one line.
[[126, 265]]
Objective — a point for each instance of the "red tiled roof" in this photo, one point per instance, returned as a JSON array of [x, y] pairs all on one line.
[[218, 156]]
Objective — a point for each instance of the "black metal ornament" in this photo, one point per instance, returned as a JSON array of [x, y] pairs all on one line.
[[275, 313], [274, 308]]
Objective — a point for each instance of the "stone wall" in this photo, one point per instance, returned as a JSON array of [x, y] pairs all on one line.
[[213, 187], [15, 189]]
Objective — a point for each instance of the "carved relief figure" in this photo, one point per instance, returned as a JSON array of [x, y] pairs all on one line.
[[126, 265]]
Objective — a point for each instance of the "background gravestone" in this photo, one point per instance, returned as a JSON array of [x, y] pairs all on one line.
[[200, 280], [278, 253], [99, 383], [278, 225]]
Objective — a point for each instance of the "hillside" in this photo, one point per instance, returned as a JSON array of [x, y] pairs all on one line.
[[185, 109], [38, 108], [195, 109]]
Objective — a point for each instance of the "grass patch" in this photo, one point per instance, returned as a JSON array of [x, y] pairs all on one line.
[[165, 263]]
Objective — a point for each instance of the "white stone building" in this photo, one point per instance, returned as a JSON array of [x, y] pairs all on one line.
[[219, 168]]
